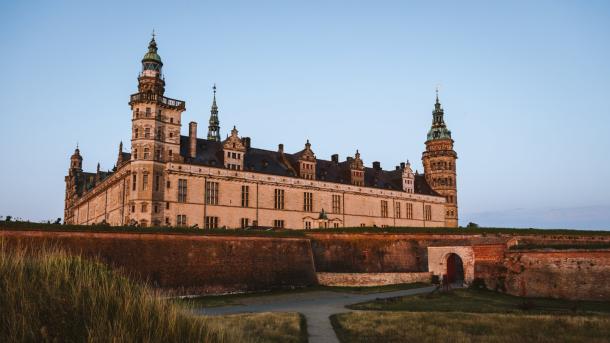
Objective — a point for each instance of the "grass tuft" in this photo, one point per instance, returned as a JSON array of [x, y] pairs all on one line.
[[48, 295]]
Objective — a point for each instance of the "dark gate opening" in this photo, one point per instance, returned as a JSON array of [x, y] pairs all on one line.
[[455, 268]]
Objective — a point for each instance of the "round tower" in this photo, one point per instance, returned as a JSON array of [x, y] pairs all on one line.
[[439, 163]]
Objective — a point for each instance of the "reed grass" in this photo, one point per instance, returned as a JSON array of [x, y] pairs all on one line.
[[50, 296]]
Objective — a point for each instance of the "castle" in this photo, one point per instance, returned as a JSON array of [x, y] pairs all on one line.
[[172, 180]]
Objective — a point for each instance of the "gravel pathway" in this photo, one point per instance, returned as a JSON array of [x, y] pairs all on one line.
[[316, 306]]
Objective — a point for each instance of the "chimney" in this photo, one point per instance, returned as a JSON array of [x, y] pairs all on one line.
[[280, 148], [246, 142], [335, 158], [397, 167], [402, 165], [192, 139], [377, 165]]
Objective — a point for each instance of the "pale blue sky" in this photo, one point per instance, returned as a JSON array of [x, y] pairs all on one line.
[[524, 85]]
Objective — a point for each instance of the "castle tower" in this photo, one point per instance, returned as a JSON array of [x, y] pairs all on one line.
[[439, 163], [72, 179], [214, 128], [155, 140]]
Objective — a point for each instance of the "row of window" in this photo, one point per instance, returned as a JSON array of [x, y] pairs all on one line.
[[144, 186], [146, 134], [442, 165], [447, 181], [148, 113], [212, 193], [146, 154]]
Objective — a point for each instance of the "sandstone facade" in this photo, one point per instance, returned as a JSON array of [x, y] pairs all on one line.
[[172, 180]]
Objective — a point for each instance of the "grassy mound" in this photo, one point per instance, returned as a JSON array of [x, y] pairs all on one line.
[[51, 296], [421, 327]]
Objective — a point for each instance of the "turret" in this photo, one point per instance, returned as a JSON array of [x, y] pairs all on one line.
[[76, 161], [439, 163], [408, 178], [151, 78], [214, 127]]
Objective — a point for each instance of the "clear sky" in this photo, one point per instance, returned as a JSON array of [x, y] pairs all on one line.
[[524, 84]]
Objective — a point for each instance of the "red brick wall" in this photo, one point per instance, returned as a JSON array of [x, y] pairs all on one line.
[[559, 274], [384, 253], [190, 264]]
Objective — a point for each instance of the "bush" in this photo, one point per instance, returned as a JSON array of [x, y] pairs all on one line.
[[478, 283]]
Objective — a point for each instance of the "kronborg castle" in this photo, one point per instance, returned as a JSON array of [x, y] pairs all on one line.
[[172, 180]]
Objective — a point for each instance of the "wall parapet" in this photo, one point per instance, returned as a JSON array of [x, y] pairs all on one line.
[[371, 279]]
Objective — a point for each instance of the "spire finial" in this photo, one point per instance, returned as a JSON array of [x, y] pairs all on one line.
[[437, 94], [214, 88], [153, 34]]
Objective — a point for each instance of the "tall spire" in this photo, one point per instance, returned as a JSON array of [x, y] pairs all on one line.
[[439, 128], [214, 127]]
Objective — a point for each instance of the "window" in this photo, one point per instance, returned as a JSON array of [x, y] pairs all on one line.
[[135, 154], [170, 153], [307, 201], [211, 193], [245, 222], [409, 210], [145, 153], [135, 182], [398, 214], [144, 182], [181, 220], [144, 207], [335, 225], [245, 196], [336, 203], [133, 208], [307, 225], [158, 154], [427, 212], [278, 203], [146, 132], [384, 208], [167, 205], [181, 190], [147, 111], [362, 225], [211, 222], [278, 224], [156, 208], [137, 133], [168, 184], [157, 182]]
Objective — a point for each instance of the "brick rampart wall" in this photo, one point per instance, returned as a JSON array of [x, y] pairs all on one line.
[[371, 279], [576, 274], [379, 253], [189, 264]]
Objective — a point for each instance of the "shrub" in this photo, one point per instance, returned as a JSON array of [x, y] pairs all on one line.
[[478, 283]]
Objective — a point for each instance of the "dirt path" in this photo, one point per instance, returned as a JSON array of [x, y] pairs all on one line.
[[316, 306]]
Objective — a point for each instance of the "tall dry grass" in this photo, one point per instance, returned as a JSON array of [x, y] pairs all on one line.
[[47, 295]]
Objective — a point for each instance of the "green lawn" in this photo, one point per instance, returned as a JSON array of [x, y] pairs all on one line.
[[466, 315], [482, 301], [423, 327]]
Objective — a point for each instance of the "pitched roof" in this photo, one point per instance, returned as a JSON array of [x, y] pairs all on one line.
[[209, 153]]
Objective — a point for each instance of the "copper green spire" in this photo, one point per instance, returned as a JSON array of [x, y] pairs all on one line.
[[439, 128], [214, 128], [152, 55]]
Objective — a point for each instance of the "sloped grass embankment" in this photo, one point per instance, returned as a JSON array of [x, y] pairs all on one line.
[[48, 295]]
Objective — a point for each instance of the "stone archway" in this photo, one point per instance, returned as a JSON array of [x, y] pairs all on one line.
[[449, 260], [455, 268]]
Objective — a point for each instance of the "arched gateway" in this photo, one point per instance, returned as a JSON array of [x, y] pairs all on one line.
[[456, 262], [455, 268]]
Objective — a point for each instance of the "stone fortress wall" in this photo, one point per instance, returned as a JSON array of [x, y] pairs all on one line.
[[206, 264]]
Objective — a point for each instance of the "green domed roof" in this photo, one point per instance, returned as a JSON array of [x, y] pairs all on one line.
[[152, 55]]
